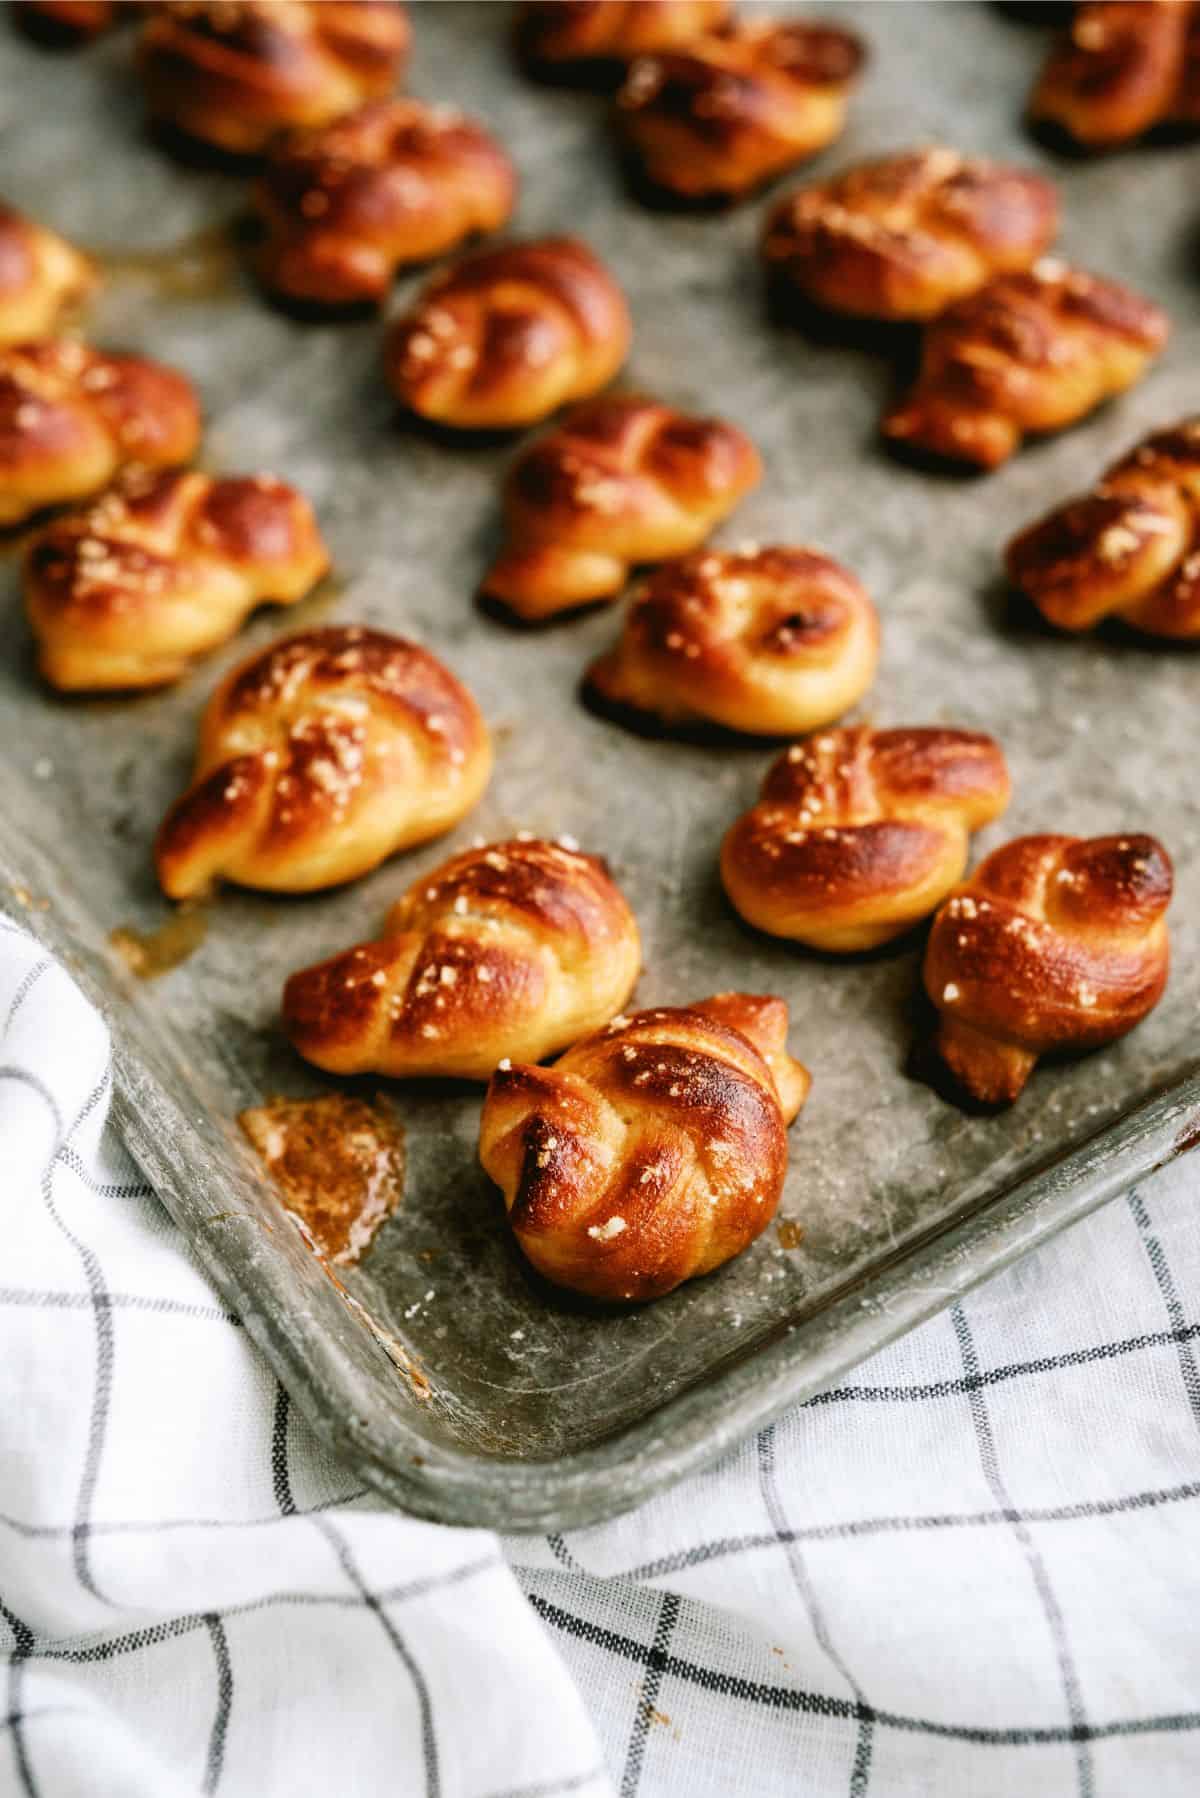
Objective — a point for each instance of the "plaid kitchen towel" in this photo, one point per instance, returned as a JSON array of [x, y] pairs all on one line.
[[974, 1569]]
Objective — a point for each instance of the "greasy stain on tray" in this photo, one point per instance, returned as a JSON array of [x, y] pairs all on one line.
[[338, 1163], [194, 268], [148, 953], [789, 1232]]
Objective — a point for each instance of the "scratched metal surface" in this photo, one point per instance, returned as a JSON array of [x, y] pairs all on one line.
[[543, 1413]]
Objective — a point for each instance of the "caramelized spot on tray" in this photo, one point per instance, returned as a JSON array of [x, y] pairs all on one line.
[[789, 1232], [338, 1163], [148, 953], [198, 267]]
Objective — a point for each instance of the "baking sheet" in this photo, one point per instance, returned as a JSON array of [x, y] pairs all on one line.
[[542, 1412]]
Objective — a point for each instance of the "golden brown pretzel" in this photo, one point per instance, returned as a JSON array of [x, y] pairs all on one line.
[[163, 568], [769, 641], [320, 757], [41, 276], [231, 73], [1027, 353], [622, 480], [858, 834], [1121, 68], [516, 948], [555, 33], [72, 417], [392, 183], [506, 336], [1054, 943], [1127, 549], [731, 109], [653, 1151], [906, 235]]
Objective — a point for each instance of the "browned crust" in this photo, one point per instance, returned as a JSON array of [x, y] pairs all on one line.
[[1128, 548], [506, 336], [767, 640], [369, 744], [623, 481], [552, 34], [393, 183], [231, 73], [1031, 352], [41, 277], [904, 236], [1054, 943], [739, 105], [1121, 68], [512, 949], [860, 833], [653, 1151]]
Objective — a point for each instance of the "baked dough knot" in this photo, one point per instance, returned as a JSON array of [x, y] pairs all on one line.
[[623, 480], [860, 833], [393, 183], [904, 236], [231, 73], [652, 1151], [72, 417], [318, 758], [1030, 352], [41, 276], [1054, 943], [162, 568], [714, 119], [556, 33], [505, 336], [770, 641], [1121, 68], [516, 948], [1128, 549]]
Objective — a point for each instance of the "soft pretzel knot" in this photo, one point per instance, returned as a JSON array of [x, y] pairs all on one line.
[[318, 759], [653, 1151], [731, 109], [1121, 68], [1128, 549], [1054, 943], [515, 948], [769, 641], [71, 418], [551, 33], [906, 235], [1028, 353], [41, 276], [231, 73], [859, 834], [507, 336], [623, 480], [392, 183], [163, 568]]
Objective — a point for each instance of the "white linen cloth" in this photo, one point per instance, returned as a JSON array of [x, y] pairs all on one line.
[[973, 1569]]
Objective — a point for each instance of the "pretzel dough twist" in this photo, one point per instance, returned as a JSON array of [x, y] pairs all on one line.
[[770, 641], [1121, 68], [41, 277], [860, 833], [623, 480], [731, 109], [72, 417], [231, 73], [395, 182], [515, 949], [905, 236], [161, 569], [1031, 352], [1128, 549], [319, 758], [653, 1151], [1054, 943], [506, 336], [553, 34]]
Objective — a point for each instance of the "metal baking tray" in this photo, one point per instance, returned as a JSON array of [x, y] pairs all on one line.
[[541, 1412]]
